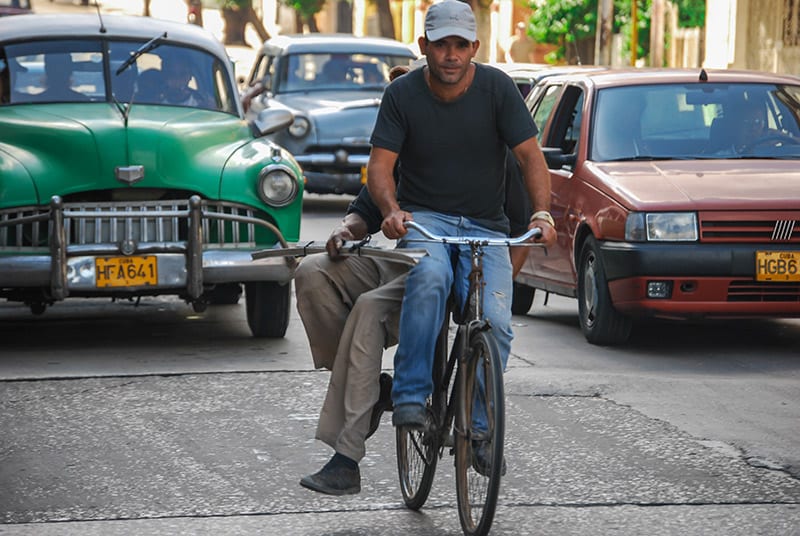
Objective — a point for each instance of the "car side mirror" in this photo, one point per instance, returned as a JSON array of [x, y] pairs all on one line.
[[272, 120], [556, 159]]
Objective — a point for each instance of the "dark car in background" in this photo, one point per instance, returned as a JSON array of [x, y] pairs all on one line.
[[127, 169], [333, 85], [676, 195], [15, 7]]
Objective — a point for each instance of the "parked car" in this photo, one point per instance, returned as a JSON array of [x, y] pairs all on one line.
[[676, 195], [107, 190], [523, 74], [15, 7], [333, 85]]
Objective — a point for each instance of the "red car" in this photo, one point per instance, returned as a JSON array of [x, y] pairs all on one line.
[[676, 195]]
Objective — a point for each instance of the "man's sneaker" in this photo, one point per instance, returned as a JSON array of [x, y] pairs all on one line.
[[413, 416], [481, 461], [334, 480], [384, 403]]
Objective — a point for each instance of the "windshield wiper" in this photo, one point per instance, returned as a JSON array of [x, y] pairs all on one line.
[[144, 49]]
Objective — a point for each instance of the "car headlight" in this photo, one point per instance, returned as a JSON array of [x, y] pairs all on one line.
[[299, 127], [661, 227], [276, 185]]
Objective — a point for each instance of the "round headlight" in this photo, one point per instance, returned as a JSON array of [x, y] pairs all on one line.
[[299, 127], [277, 185]]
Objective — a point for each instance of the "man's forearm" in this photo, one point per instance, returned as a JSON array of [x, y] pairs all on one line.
[[535, 174]]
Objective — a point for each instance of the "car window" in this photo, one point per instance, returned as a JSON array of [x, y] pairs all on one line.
[[566, 122], [171, 75], [73, 71], [545, 106], [53, 71], [695, 121], [318, 71]]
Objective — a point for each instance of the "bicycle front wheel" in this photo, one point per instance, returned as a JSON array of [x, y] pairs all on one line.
[[417, 453], [479, 435]]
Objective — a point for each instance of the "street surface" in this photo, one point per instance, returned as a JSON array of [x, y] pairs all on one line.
[[155, 420], [150, 419]]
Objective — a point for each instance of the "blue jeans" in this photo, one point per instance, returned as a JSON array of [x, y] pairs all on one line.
[[427, 289]]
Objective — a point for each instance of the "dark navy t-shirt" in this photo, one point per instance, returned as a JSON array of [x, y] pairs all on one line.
[[452, 155]]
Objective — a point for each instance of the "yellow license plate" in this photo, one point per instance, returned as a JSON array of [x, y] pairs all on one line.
[[777, 265], [125, 271], [363, 174]]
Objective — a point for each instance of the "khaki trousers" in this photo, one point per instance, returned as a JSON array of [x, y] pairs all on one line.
[[350, 309]]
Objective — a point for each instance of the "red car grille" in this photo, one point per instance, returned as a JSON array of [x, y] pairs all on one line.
[[764, 227], [759, 291]]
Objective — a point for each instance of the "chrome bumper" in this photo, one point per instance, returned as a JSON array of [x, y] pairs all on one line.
[[183, 266]]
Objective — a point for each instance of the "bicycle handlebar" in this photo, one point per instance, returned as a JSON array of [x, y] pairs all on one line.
[[522, 240]]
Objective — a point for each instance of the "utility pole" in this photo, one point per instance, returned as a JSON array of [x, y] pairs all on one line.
[[602, 44]]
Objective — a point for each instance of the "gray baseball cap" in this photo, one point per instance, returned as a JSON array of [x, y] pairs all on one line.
[[450, 17]]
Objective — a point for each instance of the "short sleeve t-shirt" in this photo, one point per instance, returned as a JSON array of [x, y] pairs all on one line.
[[452, 154]]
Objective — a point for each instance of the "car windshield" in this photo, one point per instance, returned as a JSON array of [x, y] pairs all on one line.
[[72, 71], [689, 121], [324, 71]]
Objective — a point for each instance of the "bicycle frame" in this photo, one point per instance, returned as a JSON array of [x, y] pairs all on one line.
[[469, 319]]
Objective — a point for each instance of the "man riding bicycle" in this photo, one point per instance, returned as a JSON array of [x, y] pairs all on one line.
[[449, 124]]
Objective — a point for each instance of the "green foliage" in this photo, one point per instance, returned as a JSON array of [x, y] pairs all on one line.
[[691, 13], [562, 22], [306, 8]]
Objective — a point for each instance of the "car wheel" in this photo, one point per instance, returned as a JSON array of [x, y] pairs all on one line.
[[522, 299], [600, 322], [225, 294], [267, 308]]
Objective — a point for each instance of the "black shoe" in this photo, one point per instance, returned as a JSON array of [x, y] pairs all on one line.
[[334, 480], [384, 403], [481, 462], [413, 416]]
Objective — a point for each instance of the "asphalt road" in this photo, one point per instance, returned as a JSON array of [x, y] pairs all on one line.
[[120, 419]]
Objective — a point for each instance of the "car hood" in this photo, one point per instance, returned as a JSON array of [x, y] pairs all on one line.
[[702, 184], [325, 102], [67, 149], [338, 117]]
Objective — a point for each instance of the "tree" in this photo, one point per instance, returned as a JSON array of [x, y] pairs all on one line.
[[385, 18], [571, 24], [306, 11], [237, 14]]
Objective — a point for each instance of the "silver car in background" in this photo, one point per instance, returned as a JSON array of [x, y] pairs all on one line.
[[333, 85]]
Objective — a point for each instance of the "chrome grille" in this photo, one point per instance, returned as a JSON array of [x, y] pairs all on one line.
[[164, 222]]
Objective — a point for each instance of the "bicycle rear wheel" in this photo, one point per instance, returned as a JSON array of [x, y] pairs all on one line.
[[479, 453], [417, 454]]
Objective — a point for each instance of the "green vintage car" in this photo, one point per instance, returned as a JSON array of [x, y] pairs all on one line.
[[127, 169]]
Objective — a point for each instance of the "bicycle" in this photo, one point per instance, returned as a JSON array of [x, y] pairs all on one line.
[[470, 372]]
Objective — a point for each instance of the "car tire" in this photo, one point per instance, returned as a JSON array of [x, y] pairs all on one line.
[[600, 322], [267, 306], [522, 299]]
